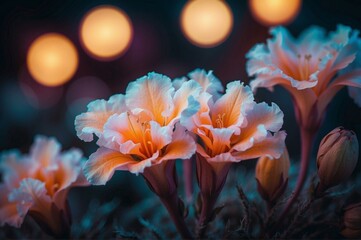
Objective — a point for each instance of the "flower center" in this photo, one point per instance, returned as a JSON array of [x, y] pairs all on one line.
[[142, 133], [304, 65], [220, 120]]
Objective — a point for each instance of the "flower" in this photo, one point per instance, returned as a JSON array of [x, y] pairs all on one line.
[[38, 184], [337, 157], [352, 221], [272, 176], [235, 128], [140, 132], [308, 67], [231, 128], [139, 129]]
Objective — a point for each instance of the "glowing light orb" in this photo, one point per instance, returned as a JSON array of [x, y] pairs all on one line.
[[106, 32], [52, 59], [275, 12], [206, 23]]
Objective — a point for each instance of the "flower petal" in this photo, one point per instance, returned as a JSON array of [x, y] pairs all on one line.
[[223, 157], [101, 165], [14, 167], [182, 146], [208, 81], [92, 121], [31, 194], [197, 113], [156, 93], [122, 132], [68, 175], [161, 136], [8, 211], [44, 152], [351, 79], [271, 147], [190, 89], [260, 119], [229, 109]]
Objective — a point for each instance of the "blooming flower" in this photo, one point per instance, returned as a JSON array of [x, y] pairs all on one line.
[[139, 129], [231, 128], [313, 68], [307, 67], [235, 128], [38, 184], [139, 132]]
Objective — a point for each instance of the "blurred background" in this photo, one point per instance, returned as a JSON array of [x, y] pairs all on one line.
[[156, 42]]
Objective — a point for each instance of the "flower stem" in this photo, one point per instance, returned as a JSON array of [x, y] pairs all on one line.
[[172, 204], [205, 216], [307, 138], [188, 179]]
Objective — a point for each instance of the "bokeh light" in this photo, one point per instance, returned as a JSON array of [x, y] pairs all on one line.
[[274, 12], [206, 23], [52, 59], [106, 32]]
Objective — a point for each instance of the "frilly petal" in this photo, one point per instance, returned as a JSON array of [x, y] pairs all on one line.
[[161, 136], [272, 147], [122, 132], [190, 89], [92, 121], [8, 211], [101, 165], [156, 93], [14, 167], [182, 146], [31, 194], [208, 81], [69, 175], [351, 79], [230, 108], [44, 152]]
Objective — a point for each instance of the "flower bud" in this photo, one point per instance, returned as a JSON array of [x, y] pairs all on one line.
[[272, 176], [337, 157], [352, 221]]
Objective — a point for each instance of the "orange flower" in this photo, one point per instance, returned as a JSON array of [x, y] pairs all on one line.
[[231, 128], [139, 129], [38, 184], [140, 132], [313, 68]]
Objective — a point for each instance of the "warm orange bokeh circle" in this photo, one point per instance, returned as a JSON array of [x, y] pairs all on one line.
[[52, 59], [106, 32], [274, 12], [206, 23]]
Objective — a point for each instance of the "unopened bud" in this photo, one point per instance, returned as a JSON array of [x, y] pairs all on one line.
[[337, 157], [272, 176], [352, 221]]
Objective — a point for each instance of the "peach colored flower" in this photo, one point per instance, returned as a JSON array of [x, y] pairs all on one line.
[[313, 68], [139, 129], [235, 128], [231, 128], [38, 184], [140, 132]]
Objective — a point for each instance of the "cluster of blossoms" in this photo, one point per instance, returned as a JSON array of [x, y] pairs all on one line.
[[38, 184], [159, 120]]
